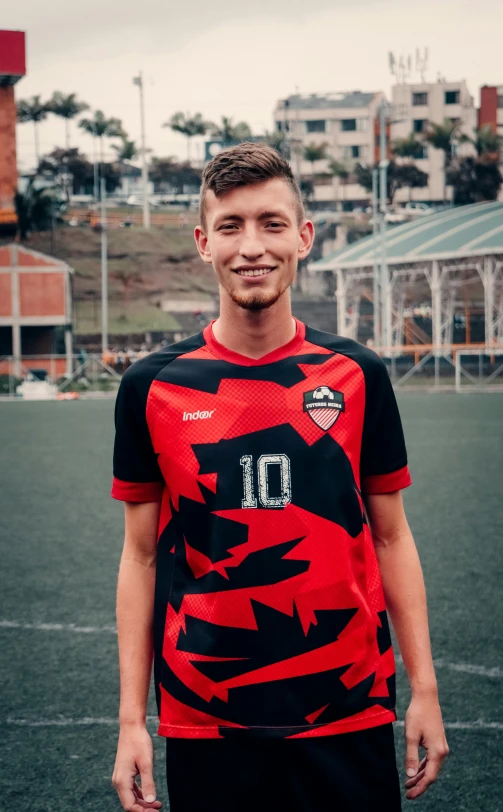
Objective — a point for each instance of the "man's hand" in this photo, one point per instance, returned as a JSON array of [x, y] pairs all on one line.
[[423, 726], [135, 756]]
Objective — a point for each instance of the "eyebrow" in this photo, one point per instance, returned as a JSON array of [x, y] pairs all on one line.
[[265, 215]]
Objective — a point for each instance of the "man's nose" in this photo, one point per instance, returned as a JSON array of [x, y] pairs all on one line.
[[251, 245]]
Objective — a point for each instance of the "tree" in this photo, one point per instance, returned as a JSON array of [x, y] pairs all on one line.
[[60, 163], [474, 179], [314, 152], [188, 126], [126, 151], [68, 108], [487, 142], [101, 127], [34, 209], [340, 171], [444, 137], [277, 140], [230, 133], [398, 177], [36, 111], [410, 147], [171, 176]]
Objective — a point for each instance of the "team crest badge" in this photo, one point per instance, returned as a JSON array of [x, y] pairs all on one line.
[[324, 406]]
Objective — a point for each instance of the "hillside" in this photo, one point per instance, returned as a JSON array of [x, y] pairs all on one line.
[[145, 269]]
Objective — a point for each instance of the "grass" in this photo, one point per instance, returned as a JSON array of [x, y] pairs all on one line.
[[61, 545]]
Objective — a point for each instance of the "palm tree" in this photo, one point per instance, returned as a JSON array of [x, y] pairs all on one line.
[[188, 126], [33, 110], [66, 107], [228, 132], [444, 136], [410, 147], [102, 127], [487, 142], [340, 171], [314, 152], [126, 151], [34, 209]]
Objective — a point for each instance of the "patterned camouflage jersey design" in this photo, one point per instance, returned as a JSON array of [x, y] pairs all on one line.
[[269, 615]]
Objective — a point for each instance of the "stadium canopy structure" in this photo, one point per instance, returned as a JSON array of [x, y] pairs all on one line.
[[450, 260]]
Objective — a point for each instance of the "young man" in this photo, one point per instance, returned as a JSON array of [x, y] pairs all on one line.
[[261, 463]]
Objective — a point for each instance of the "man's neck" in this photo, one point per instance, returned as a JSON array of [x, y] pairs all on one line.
[[254, 333]]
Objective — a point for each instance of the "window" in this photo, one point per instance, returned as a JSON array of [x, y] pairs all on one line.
[[348, 124], [317, 126], [362, 124], [452, 96], [350, 153], [419, 99], [418, 125], [500, 102]]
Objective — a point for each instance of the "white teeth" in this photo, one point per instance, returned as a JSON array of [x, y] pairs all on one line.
[[255, 272]]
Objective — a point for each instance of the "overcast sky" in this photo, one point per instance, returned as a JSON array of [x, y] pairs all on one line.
[[222, 57]]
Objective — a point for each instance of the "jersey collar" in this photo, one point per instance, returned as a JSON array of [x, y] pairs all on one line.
[[286, 350]]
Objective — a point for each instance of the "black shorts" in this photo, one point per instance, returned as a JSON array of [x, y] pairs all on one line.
[[346, 772]]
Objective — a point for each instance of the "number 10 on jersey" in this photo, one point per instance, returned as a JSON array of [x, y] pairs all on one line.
[[263, 467]]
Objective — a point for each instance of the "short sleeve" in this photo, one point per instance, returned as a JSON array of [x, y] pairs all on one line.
[[383, 463], [136, 473]]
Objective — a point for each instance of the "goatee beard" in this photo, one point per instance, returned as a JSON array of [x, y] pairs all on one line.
[[257, 301]]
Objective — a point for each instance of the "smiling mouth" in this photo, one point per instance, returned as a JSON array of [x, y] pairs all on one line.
[[254, 271]]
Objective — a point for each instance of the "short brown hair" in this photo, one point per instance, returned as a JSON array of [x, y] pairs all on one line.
[[242, 165]]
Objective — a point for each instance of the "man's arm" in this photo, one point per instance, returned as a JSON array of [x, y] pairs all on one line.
[[405, 598], [135, 607]]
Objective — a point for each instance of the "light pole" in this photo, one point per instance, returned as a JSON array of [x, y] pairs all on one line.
[[384, 275], [375, 233], [104, 270], [138, 80]]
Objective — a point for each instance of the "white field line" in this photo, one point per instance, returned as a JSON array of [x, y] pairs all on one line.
[[478, 724], [56, 627], [465, 668]]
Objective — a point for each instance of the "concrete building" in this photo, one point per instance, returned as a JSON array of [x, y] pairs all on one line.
[[346, 124], [35, 312], [12, 68], [413, 105], [491, 108]]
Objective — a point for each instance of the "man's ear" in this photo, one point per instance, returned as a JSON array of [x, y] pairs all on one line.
[[203, 245], [306, 238]]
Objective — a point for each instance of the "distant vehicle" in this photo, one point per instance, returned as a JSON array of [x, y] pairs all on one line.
[[395, 216], [137, 200], [416, 209]]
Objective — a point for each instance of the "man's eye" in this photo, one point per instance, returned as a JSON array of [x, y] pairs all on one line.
[[227, 227], [276, 225]]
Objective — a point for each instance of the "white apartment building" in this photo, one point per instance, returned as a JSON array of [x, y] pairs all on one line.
[[413, 106], [346, 123]]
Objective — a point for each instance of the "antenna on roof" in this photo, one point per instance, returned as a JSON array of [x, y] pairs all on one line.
[[422, 62], [401, 67]]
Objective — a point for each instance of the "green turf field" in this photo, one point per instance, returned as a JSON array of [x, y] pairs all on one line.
[[61, 543]]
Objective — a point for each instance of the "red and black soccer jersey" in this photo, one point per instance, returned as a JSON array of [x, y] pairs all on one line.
[[269, 614]]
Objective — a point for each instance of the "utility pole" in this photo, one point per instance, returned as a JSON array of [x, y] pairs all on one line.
[[95, 172], [104, 270], [383, 178], [375, 233], [138, 80]]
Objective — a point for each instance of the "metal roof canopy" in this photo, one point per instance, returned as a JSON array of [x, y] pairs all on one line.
[[464, 231], [450, 251]]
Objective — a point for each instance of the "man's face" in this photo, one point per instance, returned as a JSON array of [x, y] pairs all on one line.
[[254, 241]]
